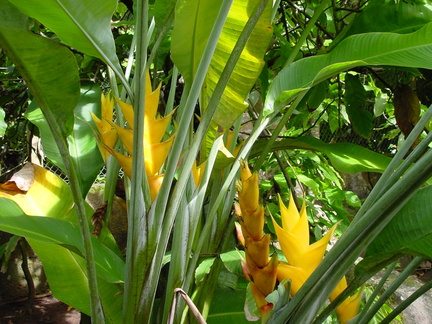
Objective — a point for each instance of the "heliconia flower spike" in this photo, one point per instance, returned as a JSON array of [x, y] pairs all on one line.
[[155, 151], [303, 258], [258, 267]]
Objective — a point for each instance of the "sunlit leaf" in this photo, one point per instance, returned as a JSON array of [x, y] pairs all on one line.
[[345, 157]]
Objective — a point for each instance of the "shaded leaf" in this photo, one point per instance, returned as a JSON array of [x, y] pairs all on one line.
[[355, 99], [227, 307], [388, 16], [409, 231], [49, 69], [408, 50], [407, 108]]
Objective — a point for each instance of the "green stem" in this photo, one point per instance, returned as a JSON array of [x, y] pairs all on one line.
[[139, 194]]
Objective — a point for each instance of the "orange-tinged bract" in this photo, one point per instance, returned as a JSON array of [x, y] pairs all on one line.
[[258, 267], [155, 151]]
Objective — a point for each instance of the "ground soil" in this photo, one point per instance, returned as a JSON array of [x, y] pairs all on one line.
[[45, 309]]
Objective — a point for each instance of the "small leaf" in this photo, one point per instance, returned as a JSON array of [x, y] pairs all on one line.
[[3, 125], [232, 261], [203, 269]]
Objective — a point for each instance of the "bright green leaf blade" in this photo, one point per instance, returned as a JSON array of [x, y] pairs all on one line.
[[83, 25], [345, 157], [408, 50], [249, 66], [52, 230], [193, 22], [67, 278], [49, 69], [82, 142], [3, 124], [203, 270], [410, 230]]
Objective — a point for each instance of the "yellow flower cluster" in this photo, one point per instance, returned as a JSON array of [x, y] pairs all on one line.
[[155, 151], [258, 268], [294, 240]]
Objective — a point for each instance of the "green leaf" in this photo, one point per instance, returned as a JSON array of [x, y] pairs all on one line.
[[355, 99], [388, 16], [408, 50], [227, 307], [249, 66], [3, 124], [345, 157], [232, 261], [49, 69], [193, 23], [409, 231], [84, 25], [203, 270], [82, 142]]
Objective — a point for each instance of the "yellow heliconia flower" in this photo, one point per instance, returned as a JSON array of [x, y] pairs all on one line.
[[258, 267], [108, 134], [155, 151], [303, 258]]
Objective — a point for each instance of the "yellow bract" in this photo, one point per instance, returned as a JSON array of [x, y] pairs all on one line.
[[155, 151], [303, 258]]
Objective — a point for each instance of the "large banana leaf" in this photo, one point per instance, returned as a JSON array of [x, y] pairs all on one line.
[[408, 50], [345, 157], [83, 25], [193, 23], [50, 70], [248, 67], [82, 142]]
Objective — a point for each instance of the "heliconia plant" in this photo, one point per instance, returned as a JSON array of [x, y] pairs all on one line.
[[181, 177]]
